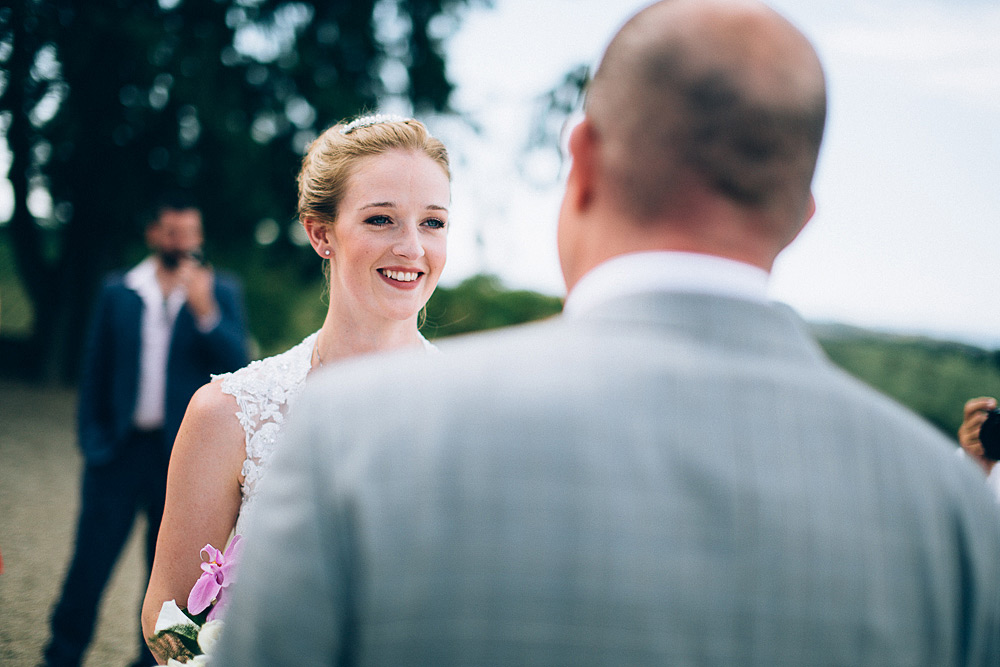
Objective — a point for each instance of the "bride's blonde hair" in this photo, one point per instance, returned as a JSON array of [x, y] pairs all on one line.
[[330, 160]]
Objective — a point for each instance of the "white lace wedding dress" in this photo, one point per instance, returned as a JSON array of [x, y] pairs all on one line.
[[264, 390]]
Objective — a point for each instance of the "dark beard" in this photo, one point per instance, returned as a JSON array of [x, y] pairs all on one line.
[[171, 259]]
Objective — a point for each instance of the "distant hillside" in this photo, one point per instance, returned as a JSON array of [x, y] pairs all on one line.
[[932, 377]]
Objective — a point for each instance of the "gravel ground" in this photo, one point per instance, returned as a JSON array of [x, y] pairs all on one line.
[[39, 495]]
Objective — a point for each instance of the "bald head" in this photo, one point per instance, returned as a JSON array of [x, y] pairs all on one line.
[[726, 96]]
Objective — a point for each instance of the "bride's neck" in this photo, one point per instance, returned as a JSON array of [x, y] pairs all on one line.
[[339, 339]]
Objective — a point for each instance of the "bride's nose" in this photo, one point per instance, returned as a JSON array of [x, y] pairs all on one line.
[[408, 243]]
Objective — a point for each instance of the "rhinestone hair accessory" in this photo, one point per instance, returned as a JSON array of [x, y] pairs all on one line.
[[368, 121]]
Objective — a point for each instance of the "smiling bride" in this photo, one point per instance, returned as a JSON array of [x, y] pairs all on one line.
[[373, 199]]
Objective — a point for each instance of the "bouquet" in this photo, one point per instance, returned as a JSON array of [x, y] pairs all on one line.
[[186, 636]]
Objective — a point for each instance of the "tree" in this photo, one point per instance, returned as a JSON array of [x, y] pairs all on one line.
[[106, 103]]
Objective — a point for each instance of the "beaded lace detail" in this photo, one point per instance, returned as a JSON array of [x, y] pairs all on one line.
[[263, 392]]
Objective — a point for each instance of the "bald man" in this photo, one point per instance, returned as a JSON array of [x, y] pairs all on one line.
[[670, 473]]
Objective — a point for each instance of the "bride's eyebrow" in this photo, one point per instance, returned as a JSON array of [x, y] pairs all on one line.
[[389, 204]]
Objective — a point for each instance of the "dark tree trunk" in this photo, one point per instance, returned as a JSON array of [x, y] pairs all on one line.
[[26, 236]]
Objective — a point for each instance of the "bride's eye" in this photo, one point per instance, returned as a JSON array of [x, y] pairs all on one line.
[[435, 223], [379, 220]]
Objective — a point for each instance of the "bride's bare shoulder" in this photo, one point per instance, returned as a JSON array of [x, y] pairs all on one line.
[[211, 414], [212, 401]]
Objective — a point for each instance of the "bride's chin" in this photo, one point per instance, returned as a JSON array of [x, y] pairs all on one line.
[[402, 314]]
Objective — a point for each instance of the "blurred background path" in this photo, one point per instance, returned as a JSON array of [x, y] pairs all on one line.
[[39, 494]]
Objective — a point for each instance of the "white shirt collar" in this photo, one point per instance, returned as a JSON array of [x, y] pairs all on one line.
[[142, 276], [666, 271], [142, 280]]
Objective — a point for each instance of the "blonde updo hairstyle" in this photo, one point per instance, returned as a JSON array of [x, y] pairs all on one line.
[[331, 159]]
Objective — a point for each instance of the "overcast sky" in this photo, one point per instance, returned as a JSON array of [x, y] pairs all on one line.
[[907, 232]]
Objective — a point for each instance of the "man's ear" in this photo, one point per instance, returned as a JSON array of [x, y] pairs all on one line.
[[580, 181], [573, 233], [320, 237]]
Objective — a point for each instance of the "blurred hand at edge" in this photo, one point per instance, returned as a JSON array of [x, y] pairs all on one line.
[[974, 415]]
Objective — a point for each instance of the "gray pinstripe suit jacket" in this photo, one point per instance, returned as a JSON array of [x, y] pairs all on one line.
[[671, 479]]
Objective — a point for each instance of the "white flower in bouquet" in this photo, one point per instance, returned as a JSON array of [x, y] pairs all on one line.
[[209, 635]]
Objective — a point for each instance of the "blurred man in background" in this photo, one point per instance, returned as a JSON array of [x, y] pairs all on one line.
[[157, 334]]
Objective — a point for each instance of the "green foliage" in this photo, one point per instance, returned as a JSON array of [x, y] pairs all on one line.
[[481, 302], [933, 378], [15, 310], [283, 307]]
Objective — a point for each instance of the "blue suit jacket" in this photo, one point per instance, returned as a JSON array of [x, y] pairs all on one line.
[[110, 375]]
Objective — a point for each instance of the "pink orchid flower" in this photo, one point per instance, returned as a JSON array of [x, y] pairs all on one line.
[[218, 572]]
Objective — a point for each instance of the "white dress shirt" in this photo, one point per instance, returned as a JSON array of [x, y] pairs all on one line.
[[158, 317], [664, 271]]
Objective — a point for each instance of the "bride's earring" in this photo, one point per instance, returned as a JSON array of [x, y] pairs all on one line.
[[327, 252]]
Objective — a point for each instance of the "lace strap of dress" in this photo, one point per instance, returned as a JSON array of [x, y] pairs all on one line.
[[262, 391]]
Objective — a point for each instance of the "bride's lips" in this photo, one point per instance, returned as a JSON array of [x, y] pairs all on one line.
[[401, 277]]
